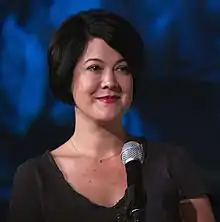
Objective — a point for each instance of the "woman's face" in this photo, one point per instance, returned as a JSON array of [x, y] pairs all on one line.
[[102, 83]]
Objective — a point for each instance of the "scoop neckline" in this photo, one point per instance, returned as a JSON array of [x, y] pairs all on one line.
[[65, 182]]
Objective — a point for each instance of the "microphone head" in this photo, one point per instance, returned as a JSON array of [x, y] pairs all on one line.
[[132, 150]]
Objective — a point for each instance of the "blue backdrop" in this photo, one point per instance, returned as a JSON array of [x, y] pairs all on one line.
[[178, 97]]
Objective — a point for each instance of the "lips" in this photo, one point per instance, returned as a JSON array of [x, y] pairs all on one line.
[[109, 99]]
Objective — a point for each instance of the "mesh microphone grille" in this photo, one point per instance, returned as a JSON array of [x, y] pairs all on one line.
[[132, 150]]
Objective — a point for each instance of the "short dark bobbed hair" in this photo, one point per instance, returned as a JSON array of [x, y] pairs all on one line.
[[70, 39]]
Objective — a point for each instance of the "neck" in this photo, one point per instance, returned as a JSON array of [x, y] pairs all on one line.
[[95, 139]]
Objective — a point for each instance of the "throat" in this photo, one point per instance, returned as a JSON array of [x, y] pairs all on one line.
[[101, 150]]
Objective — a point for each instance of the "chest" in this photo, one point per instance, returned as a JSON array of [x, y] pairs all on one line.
[[61, 199], [101, 183], [86, 188]]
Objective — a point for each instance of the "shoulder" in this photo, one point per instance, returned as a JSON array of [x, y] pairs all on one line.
[[159, 149], [32, 162], [29, 164], [182, 168], [25, 197], [162, 149], [176, 157], [28, 170]]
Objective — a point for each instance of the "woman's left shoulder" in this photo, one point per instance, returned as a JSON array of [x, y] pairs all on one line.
[[159, 147], [162, 148]]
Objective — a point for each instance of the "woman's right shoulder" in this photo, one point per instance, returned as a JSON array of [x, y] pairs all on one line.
[[30, 167], [25, 195]]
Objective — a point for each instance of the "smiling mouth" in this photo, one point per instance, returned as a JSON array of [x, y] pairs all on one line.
[[109, 99]]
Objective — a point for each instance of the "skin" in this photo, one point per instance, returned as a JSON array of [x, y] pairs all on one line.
[[196, 210], [102, 71]]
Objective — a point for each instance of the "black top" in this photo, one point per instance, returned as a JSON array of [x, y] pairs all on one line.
[[41, 194]]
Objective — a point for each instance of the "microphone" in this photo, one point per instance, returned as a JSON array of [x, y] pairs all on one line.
[[132, 156]]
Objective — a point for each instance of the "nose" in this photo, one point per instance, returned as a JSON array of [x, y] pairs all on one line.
[[109, 81]]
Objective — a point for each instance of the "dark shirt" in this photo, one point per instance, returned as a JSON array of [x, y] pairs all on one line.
[[41, 194]]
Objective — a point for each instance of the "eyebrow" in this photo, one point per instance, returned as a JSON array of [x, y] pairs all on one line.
[[99, 60], [93, 59]]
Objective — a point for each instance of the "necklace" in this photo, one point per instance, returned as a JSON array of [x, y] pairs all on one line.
[[100, 160]]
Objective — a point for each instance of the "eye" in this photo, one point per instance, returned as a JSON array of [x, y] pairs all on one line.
[[94, 68], [123, 68]]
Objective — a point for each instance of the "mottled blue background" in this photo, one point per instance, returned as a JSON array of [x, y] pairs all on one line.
[[178, 97]]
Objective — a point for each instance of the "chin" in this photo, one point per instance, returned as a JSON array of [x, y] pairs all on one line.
[[107, 115], [108, 118]]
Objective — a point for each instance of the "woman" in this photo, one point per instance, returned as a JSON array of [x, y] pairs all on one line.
[[95, 58]]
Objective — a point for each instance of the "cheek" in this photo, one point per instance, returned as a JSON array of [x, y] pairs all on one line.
[[83, 85], [127, 89], [127, 86]]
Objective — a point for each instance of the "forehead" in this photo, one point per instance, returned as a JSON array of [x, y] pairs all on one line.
[[98, 49]]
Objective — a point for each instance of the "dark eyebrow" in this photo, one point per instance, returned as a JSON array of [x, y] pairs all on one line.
[[99, 60], [93, 59]]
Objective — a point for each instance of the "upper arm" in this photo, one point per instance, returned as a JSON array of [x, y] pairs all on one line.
[[194, 202], [196, 210], [25, 201]]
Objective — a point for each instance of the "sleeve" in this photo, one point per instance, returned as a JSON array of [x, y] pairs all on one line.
[[186, 174], [25, 203]]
